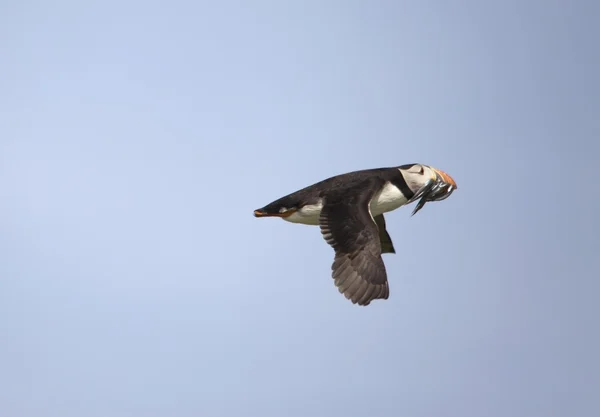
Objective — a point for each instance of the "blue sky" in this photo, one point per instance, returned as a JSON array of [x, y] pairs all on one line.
[[138, 137]]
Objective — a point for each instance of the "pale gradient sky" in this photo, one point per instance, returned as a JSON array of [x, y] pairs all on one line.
[[137, 137]]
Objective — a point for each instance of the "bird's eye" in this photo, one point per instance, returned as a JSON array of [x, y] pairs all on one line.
[[422, 170]]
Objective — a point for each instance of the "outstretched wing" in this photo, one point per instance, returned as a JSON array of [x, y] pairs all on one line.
[[348, 226]]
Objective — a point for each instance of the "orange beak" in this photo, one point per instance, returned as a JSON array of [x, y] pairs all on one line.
[[446, 178]]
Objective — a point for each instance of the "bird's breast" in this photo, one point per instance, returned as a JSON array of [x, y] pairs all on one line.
[[387, 199]]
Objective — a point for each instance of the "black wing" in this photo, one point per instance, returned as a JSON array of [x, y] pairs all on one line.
[[387, 246], [347, 225]]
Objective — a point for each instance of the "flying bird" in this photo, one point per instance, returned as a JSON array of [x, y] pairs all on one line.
[[349, 210]]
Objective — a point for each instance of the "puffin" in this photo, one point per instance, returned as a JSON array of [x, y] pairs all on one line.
[[349, 210]]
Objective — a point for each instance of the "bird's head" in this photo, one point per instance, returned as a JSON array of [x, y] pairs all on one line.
[[427, 184]]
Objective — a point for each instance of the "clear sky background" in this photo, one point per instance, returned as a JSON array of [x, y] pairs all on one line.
[[136, 139]]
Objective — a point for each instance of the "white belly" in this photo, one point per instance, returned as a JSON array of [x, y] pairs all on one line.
[[308, 214], [388, 199]]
